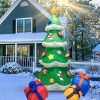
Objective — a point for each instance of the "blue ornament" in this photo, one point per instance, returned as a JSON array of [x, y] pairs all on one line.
[[49, 22]]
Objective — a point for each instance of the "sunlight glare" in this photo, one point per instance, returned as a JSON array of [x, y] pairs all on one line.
[[63, 2], [71, 7]]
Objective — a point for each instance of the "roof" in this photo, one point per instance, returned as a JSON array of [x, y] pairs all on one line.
[[97, 48], [22, 38], [14, 5]]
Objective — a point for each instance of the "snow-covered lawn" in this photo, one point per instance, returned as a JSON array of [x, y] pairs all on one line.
[[12, 86]]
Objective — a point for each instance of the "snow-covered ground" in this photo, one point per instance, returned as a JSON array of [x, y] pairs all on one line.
[[12, 86]]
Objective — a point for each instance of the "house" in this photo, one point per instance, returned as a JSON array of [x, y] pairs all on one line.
[[96, 53], [22, 31]]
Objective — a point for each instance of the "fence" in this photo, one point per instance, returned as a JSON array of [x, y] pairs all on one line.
[[90, 67], [22, 61]]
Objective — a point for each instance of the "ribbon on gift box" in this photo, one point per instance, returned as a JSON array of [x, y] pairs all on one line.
[[33, 89], [82, 78], [76, 91]]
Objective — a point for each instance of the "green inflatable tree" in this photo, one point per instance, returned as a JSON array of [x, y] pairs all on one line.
[[55, 75]]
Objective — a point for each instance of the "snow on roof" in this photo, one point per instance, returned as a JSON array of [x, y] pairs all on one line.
[[22, 38], [97, 48]]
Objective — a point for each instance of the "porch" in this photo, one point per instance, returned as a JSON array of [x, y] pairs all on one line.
[[22, 61], [22, 48]]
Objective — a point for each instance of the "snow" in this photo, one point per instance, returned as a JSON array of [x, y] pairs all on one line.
[[97, 48], [11, 64], [37, 70], [96, 2], [12, 86], [22, 37], [94, 75], [78, 70], [11, 67]]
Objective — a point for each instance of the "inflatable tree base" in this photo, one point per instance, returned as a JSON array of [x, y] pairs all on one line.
[[56, 78], [56, 87]]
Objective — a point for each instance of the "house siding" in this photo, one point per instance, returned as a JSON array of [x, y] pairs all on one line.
[[23, 12]]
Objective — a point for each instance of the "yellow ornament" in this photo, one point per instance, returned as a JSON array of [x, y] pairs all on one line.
[[54, 11], [51, 80], [51, 57]]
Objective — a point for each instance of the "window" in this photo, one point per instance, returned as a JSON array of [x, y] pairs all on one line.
[[23, 25], [9, 50], [19, 26], [23, 50], [28, 25]]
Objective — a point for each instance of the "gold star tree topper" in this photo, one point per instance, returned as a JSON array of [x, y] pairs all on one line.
[[54, 11]]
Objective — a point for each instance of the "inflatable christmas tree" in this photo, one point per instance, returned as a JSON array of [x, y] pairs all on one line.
[[55, 75]]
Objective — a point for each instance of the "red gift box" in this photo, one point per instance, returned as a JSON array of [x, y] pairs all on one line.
[[36, 91]]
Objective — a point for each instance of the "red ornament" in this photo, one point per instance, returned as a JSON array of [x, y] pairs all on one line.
[[67, 55], [59, 34], [43, 54], [68, 73], [45, 72]]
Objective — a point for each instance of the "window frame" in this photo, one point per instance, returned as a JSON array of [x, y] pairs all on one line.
[[24, 24]]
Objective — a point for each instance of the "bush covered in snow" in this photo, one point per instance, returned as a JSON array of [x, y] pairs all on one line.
[[75, 71], [11, 68]]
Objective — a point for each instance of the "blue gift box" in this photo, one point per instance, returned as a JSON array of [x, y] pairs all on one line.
[[84, 86]]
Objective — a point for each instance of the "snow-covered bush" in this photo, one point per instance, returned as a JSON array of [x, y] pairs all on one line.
[[75, 71], [36, 70], [11, 68]]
